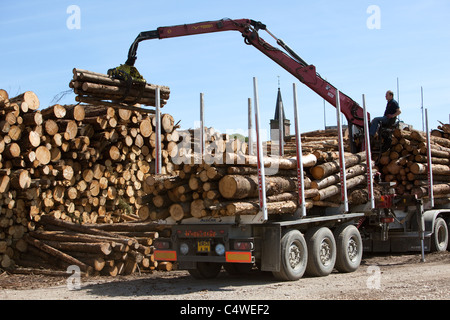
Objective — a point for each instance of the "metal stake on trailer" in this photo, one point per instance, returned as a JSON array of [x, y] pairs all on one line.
[[429, 162], [368, 156], [262, 216], [202, 125], [298, 144], [158, 159], [250, 128], [341, 154]]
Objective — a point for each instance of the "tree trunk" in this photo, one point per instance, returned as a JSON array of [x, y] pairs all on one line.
[[328, 168], [239, 187]]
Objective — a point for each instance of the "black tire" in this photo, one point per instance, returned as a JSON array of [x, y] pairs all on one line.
[[439, 238], [321, 252], [448, 228], [206, 270], [349, 248], [293, 258]]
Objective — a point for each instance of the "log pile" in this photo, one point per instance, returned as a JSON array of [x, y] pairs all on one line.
[[216, 190], [97, 249], [96, 88], [327, 179], [313, 141], [406, 162], [78, 163], [216, 144], [442, 131], [229, 187]]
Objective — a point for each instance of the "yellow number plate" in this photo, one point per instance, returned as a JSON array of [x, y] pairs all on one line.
[[203, 246]]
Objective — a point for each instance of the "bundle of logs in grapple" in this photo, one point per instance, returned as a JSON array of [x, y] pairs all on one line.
[[83, 164], [96, 88], [406, 163]]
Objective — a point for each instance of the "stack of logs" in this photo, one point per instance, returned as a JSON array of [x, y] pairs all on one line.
[[215, 144], [313, 141], [406, 162], [230, 187], [97, 249], [78, 163]]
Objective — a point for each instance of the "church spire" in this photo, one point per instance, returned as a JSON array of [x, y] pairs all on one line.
[[275, 122]]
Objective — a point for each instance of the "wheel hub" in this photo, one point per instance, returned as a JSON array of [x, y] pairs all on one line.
[[325, 252], [295, 256], [352, 249]]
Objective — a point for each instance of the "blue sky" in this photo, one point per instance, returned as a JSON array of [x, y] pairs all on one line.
[[412, 44]]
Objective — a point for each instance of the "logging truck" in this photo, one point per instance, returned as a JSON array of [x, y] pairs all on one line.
[[313, 240]]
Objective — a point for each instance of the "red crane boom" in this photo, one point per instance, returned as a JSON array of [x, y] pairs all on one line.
[[288, 59]]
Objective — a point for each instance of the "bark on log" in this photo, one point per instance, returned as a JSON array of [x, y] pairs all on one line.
[[29, 98], [57, 253], [336, 189], [324, 170], [239, 187], [438, 169]]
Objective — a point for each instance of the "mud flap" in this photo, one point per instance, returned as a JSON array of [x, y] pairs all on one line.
[[271, 248]]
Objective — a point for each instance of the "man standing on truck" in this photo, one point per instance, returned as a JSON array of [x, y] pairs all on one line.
[[389, 117]]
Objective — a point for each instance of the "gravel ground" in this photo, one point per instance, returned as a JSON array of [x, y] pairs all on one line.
[[380, 277]]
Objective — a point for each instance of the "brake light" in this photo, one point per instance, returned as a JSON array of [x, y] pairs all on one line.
[[243, 245], [161, 245]]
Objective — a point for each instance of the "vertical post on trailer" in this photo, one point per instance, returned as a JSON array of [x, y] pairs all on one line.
[[419, 203], [250, 127], [430, 169], [368, 156], [298, 143], [341, 154], [260, 160], [202, 125], [158, 159]]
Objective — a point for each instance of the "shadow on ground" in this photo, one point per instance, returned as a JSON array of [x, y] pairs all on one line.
[[175, 284]]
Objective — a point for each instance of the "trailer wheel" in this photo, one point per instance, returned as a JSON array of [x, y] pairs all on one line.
[[206, 270], [448, 228], [439, 238], [321, 252], [294, 256], [349, 248]]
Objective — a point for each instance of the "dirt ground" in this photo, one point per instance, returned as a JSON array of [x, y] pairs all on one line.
[[380, 277]]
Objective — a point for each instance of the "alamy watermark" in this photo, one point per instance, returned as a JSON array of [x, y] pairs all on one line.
[[73, 22], [374, 280], [74, 280], [373, 22], [227, 150]]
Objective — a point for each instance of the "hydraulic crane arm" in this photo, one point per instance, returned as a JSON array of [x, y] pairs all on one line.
[[287, 59]]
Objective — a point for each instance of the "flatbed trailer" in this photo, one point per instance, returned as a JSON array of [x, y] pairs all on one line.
[[286, 245], [314, 243]]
